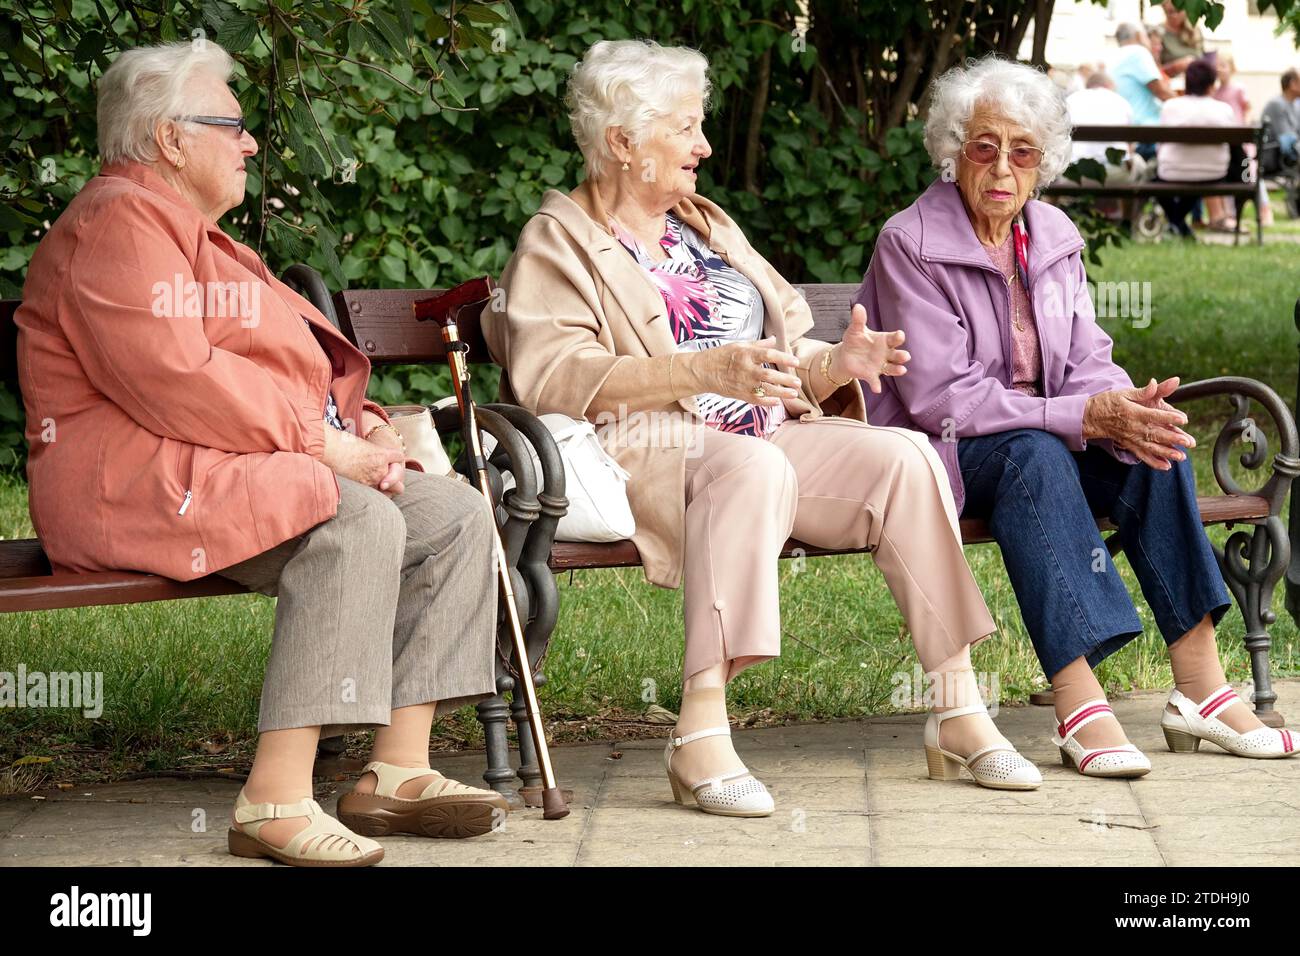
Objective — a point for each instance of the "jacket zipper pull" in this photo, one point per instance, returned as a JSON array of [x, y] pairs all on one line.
[[186, 503]]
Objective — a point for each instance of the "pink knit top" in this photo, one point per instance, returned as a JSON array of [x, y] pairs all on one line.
[[1026, 355]]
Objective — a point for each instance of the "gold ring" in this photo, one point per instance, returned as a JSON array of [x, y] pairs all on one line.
[[759, 391]]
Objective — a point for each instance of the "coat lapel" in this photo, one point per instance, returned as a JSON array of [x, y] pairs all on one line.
[[584, 216]]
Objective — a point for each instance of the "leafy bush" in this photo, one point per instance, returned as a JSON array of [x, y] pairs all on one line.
[[405, 144]]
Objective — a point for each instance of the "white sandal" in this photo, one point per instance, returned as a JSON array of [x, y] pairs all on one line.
[[1123, 760], [998, 766], [324, 842], [1195, 722], [735, 794]]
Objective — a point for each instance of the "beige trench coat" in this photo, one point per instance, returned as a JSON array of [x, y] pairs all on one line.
[[575, 304]]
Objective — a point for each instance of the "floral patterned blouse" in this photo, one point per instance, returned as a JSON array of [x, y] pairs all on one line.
[[709, 304]]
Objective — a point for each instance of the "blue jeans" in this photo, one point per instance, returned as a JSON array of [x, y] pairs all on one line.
[[1041, 502]]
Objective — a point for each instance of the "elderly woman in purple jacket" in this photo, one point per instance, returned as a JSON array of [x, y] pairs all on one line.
[[1039, 430]]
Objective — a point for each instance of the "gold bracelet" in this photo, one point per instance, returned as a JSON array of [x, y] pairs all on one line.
[[826, 369], [400, 440]]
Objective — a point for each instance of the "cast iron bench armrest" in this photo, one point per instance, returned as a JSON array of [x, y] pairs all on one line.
[[1254, 557], [1240, 392]]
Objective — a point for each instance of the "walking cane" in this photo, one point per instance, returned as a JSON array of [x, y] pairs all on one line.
[[443, 309]]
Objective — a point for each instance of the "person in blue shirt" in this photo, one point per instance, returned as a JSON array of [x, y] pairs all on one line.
[[1281, 116], [1138, 79]]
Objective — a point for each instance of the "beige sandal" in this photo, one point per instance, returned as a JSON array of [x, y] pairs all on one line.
[[445, 808], [325, 841]]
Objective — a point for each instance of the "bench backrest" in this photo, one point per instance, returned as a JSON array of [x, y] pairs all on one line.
[[9, 344], [382, 324]]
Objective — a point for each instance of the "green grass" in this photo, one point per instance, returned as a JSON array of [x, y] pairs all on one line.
[[182, 678]]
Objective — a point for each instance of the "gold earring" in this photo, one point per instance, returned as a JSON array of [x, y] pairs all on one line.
[[180, 162], [626, 167]]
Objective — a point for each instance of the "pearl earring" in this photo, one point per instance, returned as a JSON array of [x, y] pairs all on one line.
[[626, 167]]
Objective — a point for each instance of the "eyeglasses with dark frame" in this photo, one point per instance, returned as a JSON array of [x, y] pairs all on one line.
[[983, 153], [234, 122]]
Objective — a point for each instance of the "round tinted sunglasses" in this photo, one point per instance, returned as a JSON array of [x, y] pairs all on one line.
[[234, 122], [985, 154]]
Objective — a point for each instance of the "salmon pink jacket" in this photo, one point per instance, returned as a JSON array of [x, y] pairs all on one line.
[[931, 277], [175, 390]]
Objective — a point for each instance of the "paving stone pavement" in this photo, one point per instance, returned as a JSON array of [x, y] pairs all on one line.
[[850, 793]]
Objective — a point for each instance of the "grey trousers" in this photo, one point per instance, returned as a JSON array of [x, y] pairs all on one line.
[[390, 603]]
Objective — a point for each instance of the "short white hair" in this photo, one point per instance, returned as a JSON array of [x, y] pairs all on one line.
[[146, 86], [1022, 94], [629, 83]]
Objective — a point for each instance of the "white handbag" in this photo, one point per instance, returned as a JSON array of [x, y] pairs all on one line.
[[415, 425], [593, 482]]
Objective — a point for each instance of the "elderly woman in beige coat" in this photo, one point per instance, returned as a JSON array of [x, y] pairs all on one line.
[[641, 306]]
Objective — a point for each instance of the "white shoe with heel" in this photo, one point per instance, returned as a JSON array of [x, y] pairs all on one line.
[[1122, 760], [998, 766], [1195, 722], [735, 794]]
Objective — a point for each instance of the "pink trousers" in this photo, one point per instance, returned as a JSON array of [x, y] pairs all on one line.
[[832, 483]]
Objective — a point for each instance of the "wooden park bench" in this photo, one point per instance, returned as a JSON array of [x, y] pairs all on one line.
[[1243, 186], [382, 324]]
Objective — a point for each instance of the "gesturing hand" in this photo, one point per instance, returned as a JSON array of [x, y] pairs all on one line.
[[1140, 420], [736, 369], [867, 355]]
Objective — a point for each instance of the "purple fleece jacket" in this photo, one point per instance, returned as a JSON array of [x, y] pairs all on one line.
[[931, 277]]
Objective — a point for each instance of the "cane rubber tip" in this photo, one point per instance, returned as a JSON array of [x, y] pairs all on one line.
[[553, 805]]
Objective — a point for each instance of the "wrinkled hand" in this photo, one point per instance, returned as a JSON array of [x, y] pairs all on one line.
[[368, 462], [392, 483], [867, 354], [736, 369], [1140, 420]]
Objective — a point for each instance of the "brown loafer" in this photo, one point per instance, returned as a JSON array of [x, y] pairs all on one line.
[[445, 808]]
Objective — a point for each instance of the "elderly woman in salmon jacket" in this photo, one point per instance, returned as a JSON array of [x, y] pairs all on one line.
[[1040, 430], [188, 414], [638, 304]]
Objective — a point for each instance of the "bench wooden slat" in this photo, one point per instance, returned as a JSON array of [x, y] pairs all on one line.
[[579, 556], [50, 591], [1154, 189], [830, 304], [382, 324], [1203, 135], [379, 321], [23, 558]]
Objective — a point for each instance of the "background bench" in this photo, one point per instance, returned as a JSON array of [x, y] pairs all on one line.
[[1235, 136]]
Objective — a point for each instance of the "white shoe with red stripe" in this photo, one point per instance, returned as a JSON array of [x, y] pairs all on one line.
[[1194, 722], [1123, 760]]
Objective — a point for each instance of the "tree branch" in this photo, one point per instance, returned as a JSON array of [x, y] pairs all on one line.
[[757, 108]]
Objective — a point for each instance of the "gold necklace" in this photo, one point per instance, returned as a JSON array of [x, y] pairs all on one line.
[[1015, 306]]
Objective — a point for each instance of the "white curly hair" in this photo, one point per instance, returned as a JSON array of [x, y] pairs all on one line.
[[1021, 93], [629, 83]]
